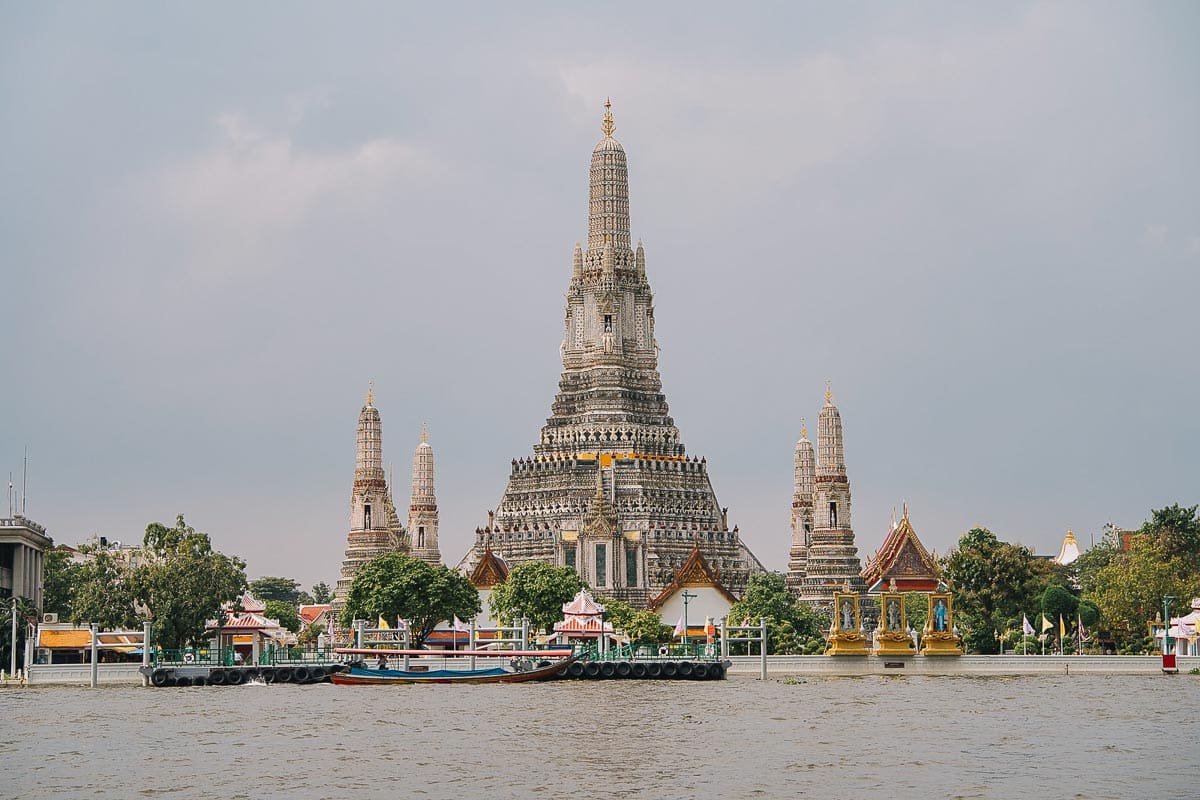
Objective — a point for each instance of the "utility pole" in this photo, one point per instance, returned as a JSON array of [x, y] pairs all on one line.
[[12, 669], [1167, 622]]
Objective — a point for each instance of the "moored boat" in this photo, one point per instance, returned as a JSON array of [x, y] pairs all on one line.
[[522, 666]]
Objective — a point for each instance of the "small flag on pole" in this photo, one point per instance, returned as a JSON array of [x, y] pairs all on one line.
[[401, 623], [460, 626], [680, 630], [382, 623], [1062, 628], [1047, 625], [1026, 627]]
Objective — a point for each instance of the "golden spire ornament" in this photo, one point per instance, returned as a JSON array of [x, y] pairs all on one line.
[[370, 393], [828, 393], [424, 434], [607, 126], [803, 429]]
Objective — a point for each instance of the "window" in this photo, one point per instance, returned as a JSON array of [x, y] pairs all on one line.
[[601, 564], [569, 557], [833, 515], [608, 323], [367, 516], [631, 566], [421, 536]]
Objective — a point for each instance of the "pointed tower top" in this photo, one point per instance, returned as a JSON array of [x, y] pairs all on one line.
[[370, 393], [803, 429], [905, 516], [607, 126], [893, 519], [424, 434], [828, 393]]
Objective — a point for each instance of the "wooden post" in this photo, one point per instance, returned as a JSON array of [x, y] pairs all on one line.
[[524, 633], [472, 643]]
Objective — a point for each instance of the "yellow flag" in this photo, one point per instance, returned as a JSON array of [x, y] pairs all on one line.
[[1062, 627], [1047, 625], [383, 622]]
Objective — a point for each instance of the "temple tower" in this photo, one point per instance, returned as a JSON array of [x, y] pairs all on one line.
[[833, 560], [375, 527], [423, 510], [610, 489], [802, 510]]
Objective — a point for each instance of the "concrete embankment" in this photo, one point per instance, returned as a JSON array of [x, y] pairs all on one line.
[[780, 666]]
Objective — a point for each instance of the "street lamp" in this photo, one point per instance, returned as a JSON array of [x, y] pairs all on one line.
[[686, 597], [1167, 598]]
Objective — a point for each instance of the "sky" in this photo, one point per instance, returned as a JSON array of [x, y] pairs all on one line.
[[219, 221]]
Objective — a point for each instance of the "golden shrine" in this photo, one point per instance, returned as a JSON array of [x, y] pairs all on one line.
[[939, 638], [893, 638], [845, 632]]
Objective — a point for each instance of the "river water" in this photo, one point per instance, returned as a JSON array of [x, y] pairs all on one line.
[[903, 737]]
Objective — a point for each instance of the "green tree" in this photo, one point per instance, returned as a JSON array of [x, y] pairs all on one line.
[[1056, 602], [398, 585], [1178, 529], [285, 613], [183, 582], [321, 593], [308, 637], [536, 590], [1089, 614], [284, 590], [27, 615], [1129, 590], [640, 626], [991, 580], [916, 609], [791, 625], [102, 591], [58, 578]]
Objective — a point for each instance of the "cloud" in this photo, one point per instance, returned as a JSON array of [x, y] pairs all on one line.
[[239, 201]]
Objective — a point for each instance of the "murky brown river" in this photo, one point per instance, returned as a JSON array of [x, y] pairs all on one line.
[[904, 737]]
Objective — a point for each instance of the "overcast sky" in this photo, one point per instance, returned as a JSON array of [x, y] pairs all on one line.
[[981, 222]]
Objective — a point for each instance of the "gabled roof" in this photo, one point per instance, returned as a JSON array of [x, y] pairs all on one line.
[[251, 604], [694, 572], [903, 558], [583, 605], [311, 613], [490, 571], [244, 622]]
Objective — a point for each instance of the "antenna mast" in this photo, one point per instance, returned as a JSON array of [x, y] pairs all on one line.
[[24, 479]]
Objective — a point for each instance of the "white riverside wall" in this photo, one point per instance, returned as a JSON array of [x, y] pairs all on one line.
[[81, 674], [959, 665]]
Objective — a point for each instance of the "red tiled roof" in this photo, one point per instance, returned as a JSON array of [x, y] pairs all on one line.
[[903, 557]]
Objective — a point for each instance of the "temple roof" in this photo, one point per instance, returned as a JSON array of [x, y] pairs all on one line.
[[583, 605], [694, 572], [1070, 550], [490, 571], [904, 559], [250, 603], [311, 613]]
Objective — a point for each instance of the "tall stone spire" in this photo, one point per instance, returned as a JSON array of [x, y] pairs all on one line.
[[608, 193], [610, 490], [832, 555], [375, 528], [423, 510], [802, 509]]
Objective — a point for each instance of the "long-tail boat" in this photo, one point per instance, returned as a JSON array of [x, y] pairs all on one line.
[[523, 665]]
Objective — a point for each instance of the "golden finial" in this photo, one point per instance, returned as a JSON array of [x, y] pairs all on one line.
[[370, 393], [905, 516], [607, 126], [828, 393], [424, 434], [803, 429]]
